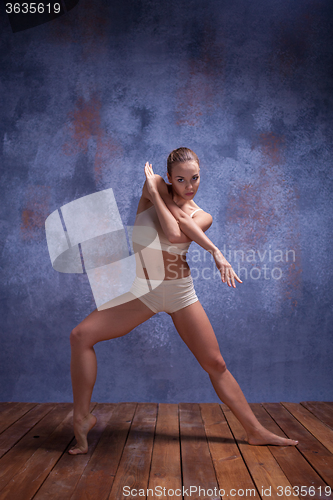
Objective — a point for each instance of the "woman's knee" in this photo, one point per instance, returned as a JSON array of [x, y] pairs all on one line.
[[215, 365], [79, 337]]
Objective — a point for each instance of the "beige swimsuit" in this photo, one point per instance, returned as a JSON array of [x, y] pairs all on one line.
[[172, 294]]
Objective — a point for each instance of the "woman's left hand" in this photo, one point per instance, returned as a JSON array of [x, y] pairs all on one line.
[[228, 275], [151, 181]]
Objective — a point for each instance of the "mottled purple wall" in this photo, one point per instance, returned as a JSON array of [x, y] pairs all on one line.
[[86, 100]]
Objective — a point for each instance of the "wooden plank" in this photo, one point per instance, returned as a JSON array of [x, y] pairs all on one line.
[[321, 431], [13, 412], [29, 478], [133, 470], [323, 411], [25, 465], [16, 458], [64, 477], [199, 478], [264, 469], [98, 476], [8, 404], [315, 453], [231, 472], [298, 471], [165, 473], [17, 430]]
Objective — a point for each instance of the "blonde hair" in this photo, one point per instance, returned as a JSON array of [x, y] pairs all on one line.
[[181, 155]]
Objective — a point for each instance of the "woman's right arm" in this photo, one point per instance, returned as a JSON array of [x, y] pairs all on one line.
[[186, 225], [176, 224]]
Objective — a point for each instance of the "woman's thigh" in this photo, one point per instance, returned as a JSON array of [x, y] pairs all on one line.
[[195, 329], [112, 323]]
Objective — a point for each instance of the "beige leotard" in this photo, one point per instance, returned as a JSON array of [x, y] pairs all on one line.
[[167, 295], [149, 219]]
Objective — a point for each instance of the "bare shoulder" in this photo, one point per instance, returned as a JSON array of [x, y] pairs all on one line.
[[145, 201], [144, 204], [163, 187]]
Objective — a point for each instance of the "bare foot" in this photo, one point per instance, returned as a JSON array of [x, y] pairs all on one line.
[[81, 429], [265, 437]]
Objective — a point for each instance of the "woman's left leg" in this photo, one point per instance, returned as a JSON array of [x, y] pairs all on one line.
[[196, 331]]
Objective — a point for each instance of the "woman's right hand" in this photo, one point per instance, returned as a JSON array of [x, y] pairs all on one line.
[[151, 180], [227, 273]]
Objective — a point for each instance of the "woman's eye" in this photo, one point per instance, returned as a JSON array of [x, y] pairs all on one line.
[[193, 178]]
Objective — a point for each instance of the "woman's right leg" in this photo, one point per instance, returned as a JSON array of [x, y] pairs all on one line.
[[196, 331], [99, 325]]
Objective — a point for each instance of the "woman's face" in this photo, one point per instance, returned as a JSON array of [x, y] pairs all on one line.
[[185, 179]]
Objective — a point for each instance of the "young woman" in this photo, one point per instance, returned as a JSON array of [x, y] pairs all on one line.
[[171, 211]]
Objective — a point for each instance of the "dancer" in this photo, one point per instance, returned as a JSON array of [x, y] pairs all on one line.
[[170, 209]]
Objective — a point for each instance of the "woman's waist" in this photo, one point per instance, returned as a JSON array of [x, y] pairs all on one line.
[[164, 259], [182, 279], [169, 270], [169, 253]]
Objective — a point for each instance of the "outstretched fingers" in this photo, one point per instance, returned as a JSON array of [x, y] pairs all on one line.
[[228, 275], [235, 277], [223, 270]]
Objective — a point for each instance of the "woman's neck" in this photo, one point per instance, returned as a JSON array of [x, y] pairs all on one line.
[[180, 202]]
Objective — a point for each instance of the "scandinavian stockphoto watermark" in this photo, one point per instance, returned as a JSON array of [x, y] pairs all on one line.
[[87, 235], [267, 263]]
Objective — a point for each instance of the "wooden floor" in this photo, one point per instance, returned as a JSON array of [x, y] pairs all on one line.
[[145, 450]]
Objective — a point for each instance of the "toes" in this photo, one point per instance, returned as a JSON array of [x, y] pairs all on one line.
[[289, 442], [271, 439], [76, 451]]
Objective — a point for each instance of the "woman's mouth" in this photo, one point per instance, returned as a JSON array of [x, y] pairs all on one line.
[[188, 194]]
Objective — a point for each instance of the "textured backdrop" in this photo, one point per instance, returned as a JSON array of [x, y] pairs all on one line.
[[86, 100]]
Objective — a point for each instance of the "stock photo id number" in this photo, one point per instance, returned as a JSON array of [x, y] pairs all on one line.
[[24, 15]]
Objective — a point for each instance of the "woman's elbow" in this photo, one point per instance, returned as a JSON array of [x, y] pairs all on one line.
[[173, 238], [178, 238]]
